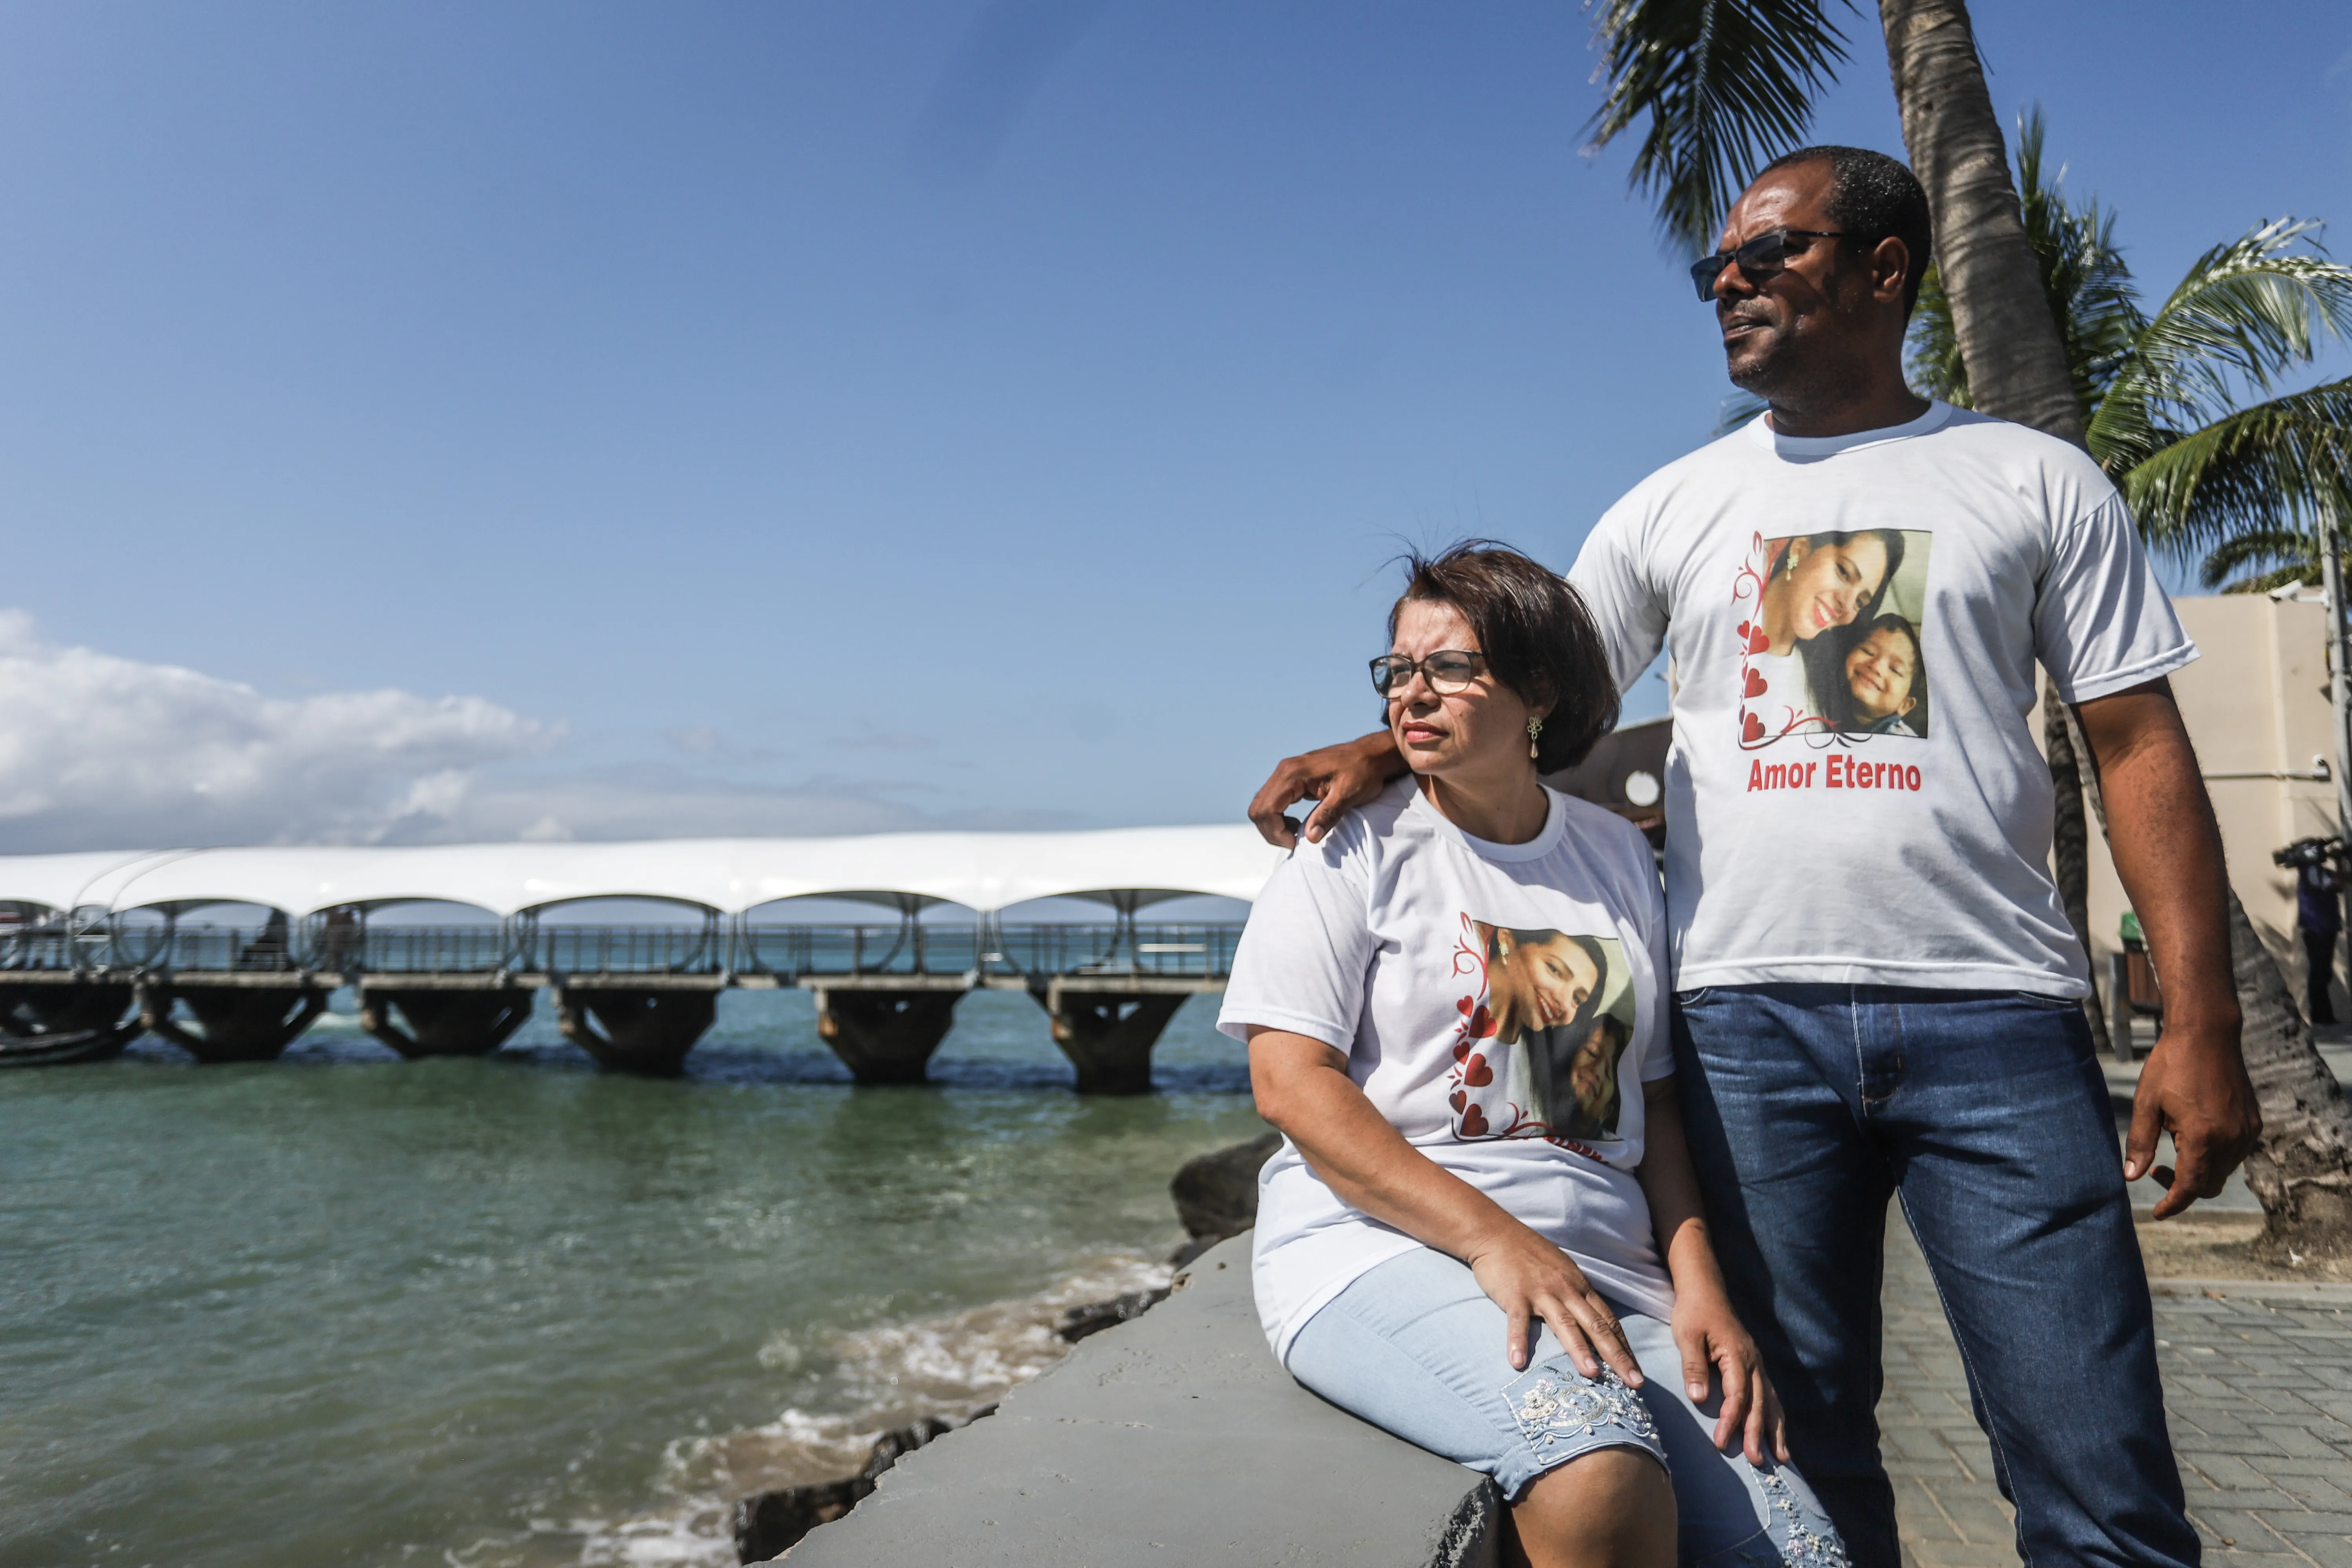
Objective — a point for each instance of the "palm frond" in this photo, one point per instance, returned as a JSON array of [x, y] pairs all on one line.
[[1937, 369], [1726, 85], [2283, 466], [2279, 557], [2246, 313]]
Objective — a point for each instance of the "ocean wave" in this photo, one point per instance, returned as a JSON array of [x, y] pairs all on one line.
[[883, 1377]]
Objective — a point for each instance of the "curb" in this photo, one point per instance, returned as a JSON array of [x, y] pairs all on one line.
[[2312, 1293]]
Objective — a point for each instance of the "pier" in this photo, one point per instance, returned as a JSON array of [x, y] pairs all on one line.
[[96, 950]]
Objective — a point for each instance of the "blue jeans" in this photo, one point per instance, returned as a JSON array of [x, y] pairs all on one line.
[[1807, 1107]]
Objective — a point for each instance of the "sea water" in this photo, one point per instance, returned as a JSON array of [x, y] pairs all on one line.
[[510, 1312]]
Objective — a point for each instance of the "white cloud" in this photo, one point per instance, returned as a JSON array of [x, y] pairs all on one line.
[[98, 752], [101, 750]]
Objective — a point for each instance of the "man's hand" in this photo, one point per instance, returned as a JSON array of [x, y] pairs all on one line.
[[2168, 851], [1341, 778], [2196, 1089]]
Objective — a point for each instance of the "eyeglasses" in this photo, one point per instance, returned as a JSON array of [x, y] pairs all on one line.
[[1448, 671], [1764, 257]]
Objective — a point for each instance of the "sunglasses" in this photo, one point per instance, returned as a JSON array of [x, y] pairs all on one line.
[[1761, 258], [1448, 671]]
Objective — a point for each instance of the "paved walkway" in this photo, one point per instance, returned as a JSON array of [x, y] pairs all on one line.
[[2258, 1381]]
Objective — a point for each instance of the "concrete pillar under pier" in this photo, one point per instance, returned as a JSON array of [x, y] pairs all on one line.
[[443, 1021], [1106, 1025], [239, 1018], [637, 1028], [886, 1027], [53, 1024]]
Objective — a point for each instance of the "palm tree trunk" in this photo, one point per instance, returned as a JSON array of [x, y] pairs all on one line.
[[2017, 370], [2016, 363], [2070, 846], [2302, 1173]]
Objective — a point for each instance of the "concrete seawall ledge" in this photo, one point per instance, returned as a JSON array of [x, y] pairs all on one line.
[[1175, 1439]]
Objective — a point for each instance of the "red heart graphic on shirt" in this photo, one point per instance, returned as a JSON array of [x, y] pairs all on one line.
[[1465, 1006], [1757, 641], [1457, 1099], [1476, 1073], [1461, 1049], [1755, 685], [1482, 1024], [1751, 729], [1473, 1122], [1742, 633]]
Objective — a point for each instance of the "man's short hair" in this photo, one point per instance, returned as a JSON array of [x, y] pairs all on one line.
[[1875, 197]]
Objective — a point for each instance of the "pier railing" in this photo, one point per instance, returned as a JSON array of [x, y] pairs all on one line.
[[786, 953]]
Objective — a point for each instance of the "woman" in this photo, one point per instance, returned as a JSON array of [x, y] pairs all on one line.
[[1431, 1253], [1814, 584], [1545, 992], [1538, 979]]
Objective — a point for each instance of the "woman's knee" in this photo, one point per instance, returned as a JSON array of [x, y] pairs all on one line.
[[1611, 1508]]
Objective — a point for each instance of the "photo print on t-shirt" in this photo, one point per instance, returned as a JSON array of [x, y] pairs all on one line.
[[1831, 643], [1545, 1018]]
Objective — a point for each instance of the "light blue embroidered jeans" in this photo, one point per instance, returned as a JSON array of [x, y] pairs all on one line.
[[1416, 1348]]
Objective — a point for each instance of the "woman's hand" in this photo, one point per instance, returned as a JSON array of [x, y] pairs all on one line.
[[1529, 1278], [1303, 1087], [1713, 1343]]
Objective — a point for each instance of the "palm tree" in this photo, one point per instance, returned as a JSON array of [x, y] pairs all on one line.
[[1725, 83], [2165, 399]]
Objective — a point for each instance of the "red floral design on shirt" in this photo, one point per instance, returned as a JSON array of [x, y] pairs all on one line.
[[1476, 1116], [1764, 717]]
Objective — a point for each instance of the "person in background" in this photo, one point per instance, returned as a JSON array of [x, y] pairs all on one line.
[[2319, 914]]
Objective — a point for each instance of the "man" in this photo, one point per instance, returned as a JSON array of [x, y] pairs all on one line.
[[1877, 984], [2319, 913]]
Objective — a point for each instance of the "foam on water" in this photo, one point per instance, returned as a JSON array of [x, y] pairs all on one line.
[[890, 1376]]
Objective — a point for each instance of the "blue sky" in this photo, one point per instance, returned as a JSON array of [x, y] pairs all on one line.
[[823, 417]]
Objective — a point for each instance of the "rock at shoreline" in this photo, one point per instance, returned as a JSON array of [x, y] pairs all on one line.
[[1216, 1193], [1217, 1197], [1077, 1322], [771, 1523]]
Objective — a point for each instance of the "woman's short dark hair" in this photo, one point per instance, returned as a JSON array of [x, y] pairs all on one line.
[[1536, 634]]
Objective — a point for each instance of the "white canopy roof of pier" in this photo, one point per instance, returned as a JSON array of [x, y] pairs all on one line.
[[984, 871]]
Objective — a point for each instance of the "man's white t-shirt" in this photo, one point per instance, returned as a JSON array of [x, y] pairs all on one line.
[[1501, 1004], [1808, 845]]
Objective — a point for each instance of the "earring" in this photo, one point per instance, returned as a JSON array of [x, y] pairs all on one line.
[[1535, 729]]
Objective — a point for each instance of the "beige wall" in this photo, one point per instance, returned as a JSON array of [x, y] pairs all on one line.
[[2256, 702]]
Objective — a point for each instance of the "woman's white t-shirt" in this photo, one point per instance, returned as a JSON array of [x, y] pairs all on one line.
[[1501, 1004]]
